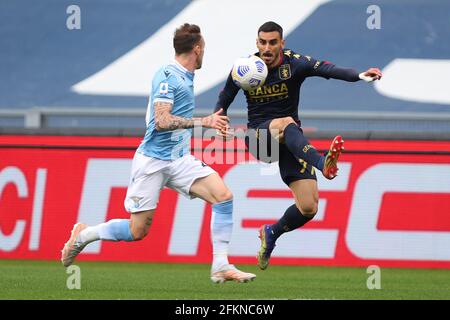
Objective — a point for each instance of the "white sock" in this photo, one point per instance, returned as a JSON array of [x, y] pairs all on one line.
[[219, 261], [88, 235], [221, 230]]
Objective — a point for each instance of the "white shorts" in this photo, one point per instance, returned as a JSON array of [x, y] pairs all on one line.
[[150, 175]]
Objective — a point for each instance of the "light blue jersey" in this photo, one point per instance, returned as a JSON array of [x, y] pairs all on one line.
[[173, 84]]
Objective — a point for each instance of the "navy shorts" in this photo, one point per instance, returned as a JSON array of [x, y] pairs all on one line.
[[265, 148]]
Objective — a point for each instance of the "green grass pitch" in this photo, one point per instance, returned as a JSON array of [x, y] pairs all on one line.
[[110, 280]]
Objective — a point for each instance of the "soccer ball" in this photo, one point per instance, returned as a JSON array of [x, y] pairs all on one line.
[[249, 73]]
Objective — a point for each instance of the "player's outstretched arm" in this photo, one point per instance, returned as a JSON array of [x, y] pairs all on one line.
[[329, 70], [166, 121]]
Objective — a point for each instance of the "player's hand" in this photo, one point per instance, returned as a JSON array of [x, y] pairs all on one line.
[[371, 74], [227, 133], [215, 121]]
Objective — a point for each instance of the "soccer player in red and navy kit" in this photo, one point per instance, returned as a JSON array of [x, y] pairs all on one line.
[[273, 115]]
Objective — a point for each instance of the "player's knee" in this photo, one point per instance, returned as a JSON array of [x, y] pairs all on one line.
[[223, 195], [277, 127], [309, 209], [281, 123], [287, 121]]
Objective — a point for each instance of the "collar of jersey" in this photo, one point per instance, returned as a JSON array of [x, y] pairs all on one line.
[[180, 67]]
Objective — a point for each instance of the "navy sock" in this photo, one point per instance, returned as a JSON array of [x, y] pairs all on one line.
[[299, 146], [291, 220]]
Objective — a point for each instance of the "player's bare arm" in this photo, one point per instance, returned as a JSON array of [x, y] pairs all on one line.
[[166, 121]]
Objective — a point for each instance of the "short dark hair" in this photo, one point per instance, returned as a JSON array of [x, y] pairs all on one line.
[[186, 37], [271, 26]]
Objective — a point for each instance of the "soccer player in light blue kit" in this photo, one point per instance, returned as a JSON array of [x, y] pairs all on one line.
[[163, 159]]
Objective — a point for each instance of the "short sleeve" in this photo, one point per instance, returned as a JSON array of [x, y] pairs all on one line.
[[164, 86]]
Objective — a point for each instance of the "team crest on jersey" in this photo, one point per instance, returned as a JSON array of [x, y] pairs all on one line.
[[284, 71]]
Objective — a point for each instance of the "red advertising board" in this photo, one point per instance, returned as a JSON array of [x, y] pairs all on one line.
[[390, 205]]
